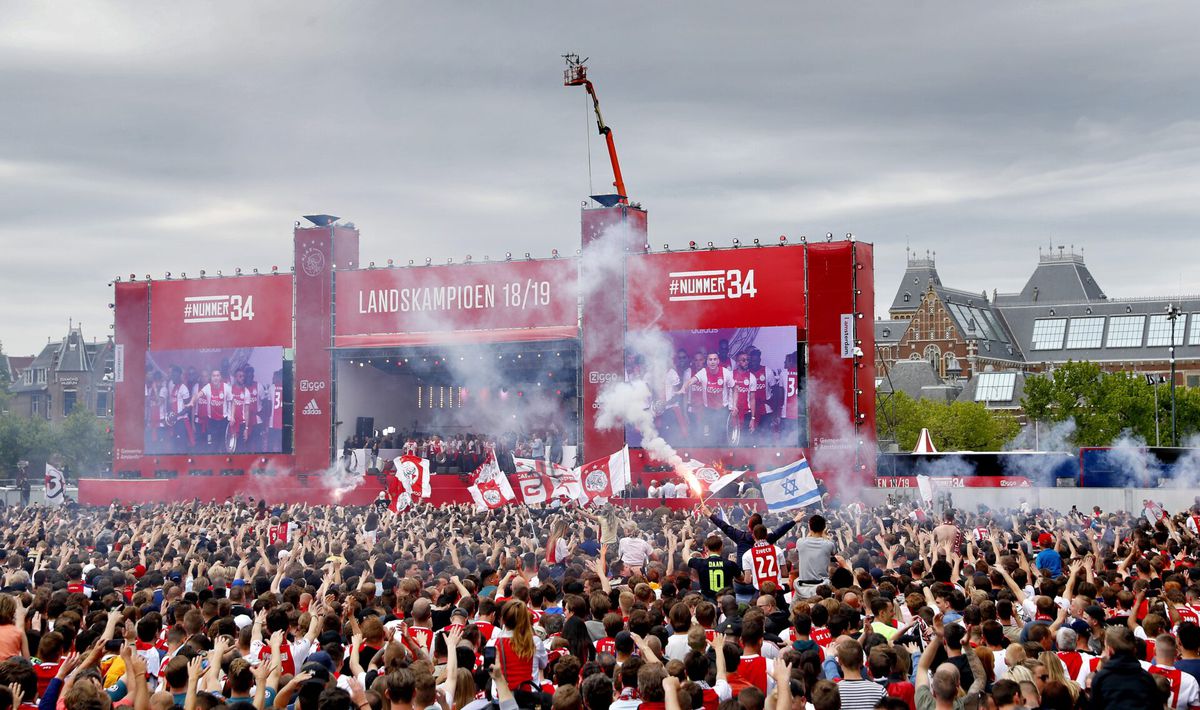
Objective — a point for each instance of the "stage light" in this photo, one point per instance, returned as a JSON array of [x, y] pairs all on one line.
[[360, 364], [183, 274], [428, 261], [849, 236], [449, 260], [371, 265], [133, 277], [518, 356], [461, 358], [691, 245], [666, 247], [578, 252], [274, 269], [238, 271], [168, 276], [829, 236], [486, 257], [558, 392], [468, 258], [646, 246], [112, 306], [410, 262], [526, 255], [390, 263], [219, 273], [803, 239], [508, 256], [256, 271], [558, 354], [737, 242], [147, 277], [710, 245], [783, 239], [757, 243], [553, 253]]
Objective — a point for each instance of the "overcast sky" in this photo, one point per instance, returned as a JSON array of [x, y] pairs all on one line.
[[153, 137]]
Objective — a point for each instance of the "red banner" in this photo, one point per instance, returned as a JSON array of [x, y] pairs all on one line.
[[955, 481], [729, 288], [130, 334], [244, 311], [488, 296]]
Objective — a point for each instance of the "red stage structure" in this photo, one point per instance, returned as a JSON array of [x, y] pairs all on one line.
[[330, 307]]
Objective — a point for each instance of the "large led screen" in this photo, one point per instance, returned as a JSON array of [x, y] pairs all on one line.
[[726, 387], [215, 400]]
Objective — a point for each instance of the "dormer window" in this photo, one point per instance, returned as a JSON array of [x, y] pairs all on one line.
[[907, 297]]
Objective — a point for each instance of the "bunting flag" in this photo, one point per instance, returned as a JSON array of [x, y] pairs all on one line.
[[604, 478]]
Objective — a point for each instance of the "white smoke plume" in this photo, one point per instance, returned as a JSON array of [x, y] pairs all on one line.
[[630, 403], [1044, 436], [338, 481], [1187, 468], [1130, 456], [1041, 437]]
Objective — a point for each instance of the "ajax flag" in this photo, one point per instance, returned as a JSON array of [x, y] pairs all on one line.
[[541, 481], [56, 484], [491, 489], [604, 478]]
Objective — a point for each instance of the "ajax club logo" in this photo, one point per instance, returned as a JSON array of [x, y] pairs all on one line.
[[596, 480], [312, 261]]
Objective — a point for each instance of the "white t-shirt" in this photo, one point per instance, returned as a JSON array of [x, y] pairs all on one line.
[[668, 490], [634, 551]]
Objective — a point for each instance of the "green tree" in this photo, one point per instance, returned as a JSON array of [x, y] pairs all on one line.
[[84, 442], [954, 426], [24, 438], [5, 383], [1106, 404]]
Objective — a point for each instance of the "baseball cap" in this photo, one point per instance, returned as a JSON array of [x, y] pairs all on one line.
[[1096, 612], [139, 571], [242, 621], [1080, 627], [1045, 539], [460, 612]]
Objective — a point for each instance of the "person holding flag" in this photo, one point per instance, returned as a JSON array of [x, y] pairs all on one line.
[[764, 561], [744, 539]]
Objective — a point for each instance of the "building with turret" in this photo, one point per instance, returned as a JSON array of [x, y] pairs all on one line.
[[982, 345], [66, 375]]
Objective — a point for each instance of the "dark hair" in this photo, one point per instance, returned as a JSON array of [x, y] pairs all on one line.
[[817, 523]]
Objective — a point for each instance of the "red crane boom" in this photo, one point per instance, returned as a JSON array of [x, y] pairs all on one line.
[[576, 75]]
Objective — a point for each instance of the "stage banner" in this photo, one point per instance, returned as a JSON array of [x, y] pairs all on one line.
[[131, 328], [485, 296], [313, 372], [726, 288], [231, 312]]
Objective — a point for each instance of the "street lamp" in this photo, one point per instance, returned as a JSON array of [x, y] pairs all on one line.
[[1173, 312]]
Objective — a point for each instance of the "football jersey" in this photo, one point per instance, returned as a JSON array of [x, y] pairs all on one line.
[[744, 386], [791, 395], [765, 562]]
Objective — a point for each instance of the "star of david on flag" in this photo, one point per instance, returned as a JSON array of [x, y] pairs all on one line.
[[790, 486]]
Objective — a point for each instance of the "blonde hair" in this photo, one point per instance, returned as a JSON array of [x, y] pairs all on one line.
[[1019, 674], [1056, 671]]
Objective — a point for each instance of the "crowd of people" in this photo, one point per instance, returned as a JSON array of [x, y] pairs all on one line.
[[458, 453], [249, 605]]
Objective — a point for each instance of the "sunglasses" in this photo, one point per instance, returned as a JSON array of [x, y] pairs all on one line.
[[1043, 678]]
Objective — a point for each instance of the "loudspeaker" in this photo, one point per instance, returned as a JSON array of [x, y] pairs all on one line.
[[364, 427]]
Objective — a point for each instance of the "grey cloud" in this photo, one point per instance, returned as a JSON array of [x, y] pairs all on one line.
[[153, 138]]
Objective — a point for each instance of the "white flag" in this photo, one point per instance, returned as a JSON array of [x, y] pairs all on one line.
[[788, 487], [56, 483]]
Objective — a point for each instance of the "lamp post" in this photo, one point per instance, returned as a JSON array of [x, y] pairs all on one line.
[[1173, 312]]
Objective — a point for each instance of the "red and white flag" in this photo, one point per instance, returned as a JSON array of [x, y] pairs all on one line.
[[413, 472], [604, 478], [490, 489], [533, 487], [399, 499], [560, 482], [710, 478]]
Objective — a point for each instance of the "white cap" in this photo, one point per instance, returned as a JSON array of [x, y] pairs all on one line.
[[242, 621]]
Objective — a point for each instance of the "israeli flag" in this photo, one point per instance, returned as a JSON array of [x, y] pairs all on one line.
[[788, 487]]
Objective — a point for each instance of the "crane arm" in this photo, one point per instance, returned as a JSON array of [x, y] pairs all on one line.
[[576, 75]]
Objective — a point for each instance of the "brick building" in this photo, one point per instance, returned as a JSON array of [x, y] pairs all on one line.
[[985, 344], [63, 377]]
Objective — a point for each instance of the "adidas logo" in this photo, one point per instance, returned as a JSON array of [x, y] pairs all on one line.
[[311, 408]]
